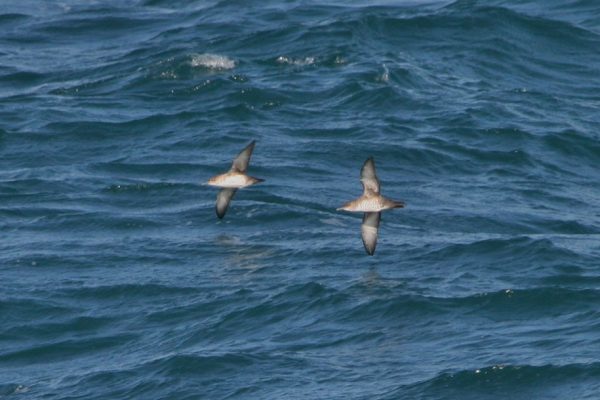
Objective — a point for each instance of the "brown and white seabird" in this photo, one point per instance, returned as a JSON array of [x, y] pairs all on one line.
[[233, 180], [371, 203]]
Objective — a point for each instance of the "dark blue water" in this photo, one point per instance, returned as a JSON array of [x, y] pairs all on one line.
[[117, 281]]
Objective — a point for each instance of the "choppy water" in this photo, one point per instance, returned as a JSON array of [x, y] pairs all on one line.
[[117, 280]]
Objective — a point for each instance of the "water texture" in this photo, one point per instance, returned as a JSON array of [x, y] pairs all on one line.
[[117, 281]]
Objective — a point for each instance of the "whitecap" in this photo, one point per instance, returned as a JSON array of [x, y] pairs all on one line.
[[212, 61], [295, 61], [385, 76], [21, 389]]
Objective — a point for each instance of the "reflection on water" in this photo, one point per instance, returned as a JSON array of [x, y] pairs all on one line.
[[241, 255], [227, 240], [371, 277]]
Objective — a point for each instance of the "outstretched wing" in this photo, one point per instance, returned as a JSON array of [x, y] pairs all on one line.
[[368, 229], [240, 163], [368, 177], [223, 198]]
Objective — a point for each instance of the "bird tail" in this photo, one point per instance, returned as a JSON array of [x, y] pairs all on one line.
[[254, 180], [399, 204]]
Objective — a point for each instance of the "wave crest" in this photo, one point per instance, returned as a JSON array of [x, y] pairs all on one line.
[[212, 61], [295, 61]]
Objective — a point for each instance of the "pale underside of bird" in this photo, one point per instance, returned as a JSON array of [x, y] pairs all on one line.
[[236, 178], [371, 203]]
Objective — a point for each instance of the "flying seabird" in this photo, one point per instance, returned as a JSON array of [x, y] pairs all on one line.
[[371, 203], [233, 180]]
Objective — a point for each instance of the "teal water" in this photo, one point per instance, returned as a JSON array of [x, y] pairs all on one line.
[[118, 281]]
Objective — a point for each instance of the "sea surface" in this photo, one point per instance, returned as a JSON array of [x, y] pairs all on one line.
[[117, 280]]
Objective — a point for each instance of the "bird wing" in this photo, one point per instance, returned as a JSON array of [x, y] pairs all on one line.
[[223, 198], [240, 163], [368, 177], [368, 229]]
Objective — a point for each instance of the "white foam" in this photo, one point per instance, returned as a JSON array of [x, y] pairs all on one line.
[[385, 76], [21, 389], [212, 61], [296, 61]]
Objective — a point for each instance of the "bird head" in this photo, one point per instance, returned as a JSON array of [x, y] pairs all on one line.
[[214, 181]]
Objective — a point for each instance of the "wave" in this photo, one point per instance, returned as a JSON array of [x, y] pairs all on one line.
[[7, 18], [523, 247], [203, 371], [315, 305], [62, 349], [547, 381], [123, 291]]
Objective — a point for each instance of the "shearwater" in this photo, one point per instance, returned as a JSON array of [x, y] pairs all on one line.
[[236, 178], [371, 203]]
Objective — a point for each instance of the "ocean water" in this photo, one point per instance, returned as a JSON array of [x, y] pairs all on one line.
[[117, 281]]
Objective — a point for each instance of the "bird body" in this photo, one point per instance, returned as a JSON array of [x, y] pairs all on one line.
[[371, 202], [233, 180]]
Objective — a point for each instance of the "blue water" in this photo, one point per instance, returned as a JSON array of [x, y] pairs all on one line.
[[117, 281]]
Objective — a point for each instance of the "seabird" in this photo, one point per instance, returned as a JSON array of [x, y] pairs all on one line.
[[233, 180], [371, 203]]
